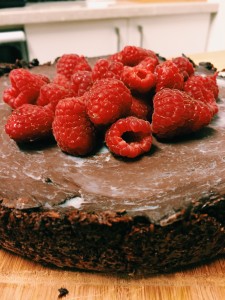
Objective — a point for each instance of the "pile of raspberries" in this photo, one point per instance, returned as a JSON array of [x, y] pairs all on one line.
[[123, 100]]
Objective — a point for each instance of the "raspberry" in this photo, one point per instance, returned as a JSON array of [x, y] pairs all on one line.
[[208, 82], [138, 79], [168, 76], [68, 64], [108, 100], [52, 93], [201, 115], [82, 65], [104, 68], [129, 137], [43, 77], [184, 65], [149, 63], [177, 113], [132, 55], [81, 82], [140, 109], [25, 87], [204, 89], [116, 57], [29, 123], [72, 129], [62, 81]]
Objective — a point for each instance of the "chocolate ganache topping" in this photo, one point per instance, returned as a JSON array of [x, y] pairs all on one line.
[[172, 178]]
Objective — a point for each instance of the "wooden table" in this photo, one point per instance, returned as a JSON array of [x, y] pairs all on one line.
[[21, 279]]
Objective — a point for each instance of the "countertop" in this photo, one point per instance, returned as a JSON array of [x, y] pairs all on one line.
[[62, 11]]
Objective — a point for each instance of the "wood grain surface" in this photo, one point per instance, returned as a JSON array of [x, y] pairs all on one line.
[[21, 279]]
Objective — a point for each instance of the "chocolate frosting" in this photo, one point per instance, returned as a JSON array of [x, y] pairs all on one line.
[[162, 185]]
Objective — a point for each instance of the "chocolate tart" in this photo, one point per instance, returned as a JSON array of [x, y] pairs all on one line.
[[163, 211]]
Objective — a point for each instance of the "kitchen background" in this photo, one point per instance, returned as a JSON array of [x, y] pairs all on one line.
[[47, 29]]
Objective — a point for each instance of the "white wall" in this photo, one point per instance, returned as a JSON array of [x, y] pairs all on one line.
[[216, 39]]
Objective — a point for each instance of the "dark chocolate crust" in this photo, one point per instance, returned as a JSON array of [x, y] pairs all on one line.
[[161, 212]]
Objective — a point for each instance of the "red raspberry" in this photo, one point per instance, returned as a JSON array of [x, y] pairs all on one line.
[[208, 82], [68, 64], [184, 65], [116, 57], [203, 89], [108, 100], [201, 115], [72, 129], [52, 93], [168, 76], [149, 63], [129, 137], [29, 123], [132, 55], [138, 79], [81, 82], [25, 87], [43, 77], [177, 113], [62, 81], [82, 65], [105, 68], [140, 109]]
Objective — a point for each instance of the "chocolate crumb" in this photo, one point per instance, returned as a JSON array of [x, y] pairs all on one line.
[[34, 62], [5, 68], [62, 292], [162, 58], [208, 65], [221, 74], [48, 180]]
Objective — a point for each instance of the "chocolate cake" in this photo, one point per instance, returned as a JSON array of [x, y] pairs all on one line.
[[154, 214]]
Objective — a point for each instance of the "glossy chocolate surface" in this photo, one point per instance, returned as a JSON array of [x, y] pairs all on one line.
[[173, 177]]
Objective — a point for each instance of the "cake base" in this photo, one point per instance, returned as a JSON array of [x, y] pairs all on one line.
[[155, 214]]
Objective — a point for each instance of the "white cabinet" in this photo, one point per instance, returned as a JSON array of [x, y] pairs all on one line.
[[90, 38], [169, 27], [216, 36], [171, 35]]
